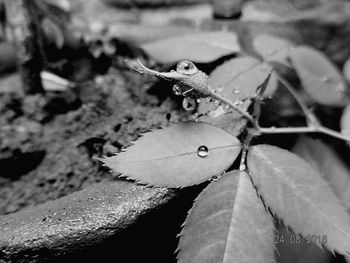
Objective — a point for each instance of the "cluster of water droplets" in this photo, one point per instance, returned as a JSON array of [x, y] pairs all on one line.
[[188, 103], [177, 90]]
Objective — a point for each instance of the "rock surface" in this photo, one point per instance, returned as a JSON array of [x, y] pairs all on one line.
[[76, 221]]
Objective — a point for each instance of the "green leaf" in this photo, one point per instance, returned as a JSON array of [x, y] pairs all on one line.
[[296, 193], [228, 223], [324, 159], [238, 79], [199, 47], [345, 121], [319, 76], [172, 157], [273, 49]]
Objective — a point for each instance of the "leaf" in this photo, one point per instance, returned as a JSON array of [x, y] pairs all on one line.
[[324, 159], [169, 156], [231, 122], [238, 79], [346, 70], [64, 5], [319, 76], [228, 223], [297, 194], [53, 32], [198, 47], [145, 33], [54, 83], [345, 121], [273, 49], [292, 248]]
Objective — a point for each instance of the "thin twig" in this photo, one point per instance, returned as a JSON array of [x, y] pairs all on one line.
[[233, 106], [308, 114], [245, 149], [309, 129]]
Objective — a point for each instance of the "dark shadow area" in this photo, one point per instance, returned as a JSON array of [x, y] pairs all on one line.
[[153, 238], [20, 164]]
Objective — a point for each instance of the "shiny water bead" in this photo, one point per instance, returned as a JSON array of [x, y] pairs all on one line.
[[236, 91], [189, 104], [186, 67], [177, 90], [203, 151]]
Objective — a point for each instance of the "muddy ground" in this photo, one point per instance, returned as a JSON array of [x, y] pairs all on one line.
[[48, 141]]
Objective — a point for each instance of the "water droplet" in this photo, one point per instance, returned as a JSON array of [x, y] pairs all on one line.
[[186, 67], [189, 104], [215, 178], [177, 90], [202, 151], [238, 102], [236, 91]]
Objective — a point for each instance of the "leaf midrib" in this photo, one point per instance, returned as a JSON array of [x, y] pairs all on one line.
[[231, 219], [181, 154]]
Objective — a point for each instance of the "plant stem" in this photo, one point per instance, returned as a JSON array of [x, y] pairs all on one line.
[[308, 114], [245, 149], [233, 106], [309, 129], [313, 124], [23, 19]]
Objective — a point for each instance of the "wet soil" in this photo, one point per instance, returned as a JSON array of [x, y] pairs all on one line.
[[48, 141]]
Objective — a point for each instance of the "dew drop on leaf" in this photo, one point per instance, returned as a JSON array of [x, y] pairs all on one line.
[[189, 104], [177, 90], [202, 151], [215, 178], [186, 67], [236, 91]]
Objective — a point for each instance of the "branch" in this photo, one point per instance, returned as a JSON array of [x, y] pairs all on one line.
[[197, 82], [309, 129], [233, 106], [308, 114]]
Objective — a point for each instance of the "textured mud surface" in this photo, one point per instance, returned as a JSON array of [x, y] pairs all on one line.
[[47, 153]]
